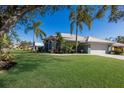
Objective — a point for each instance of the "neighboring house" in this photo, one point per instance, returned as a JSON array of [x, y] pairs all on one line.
[[88, 44], [38, 46], [16, 45], [119, 47]]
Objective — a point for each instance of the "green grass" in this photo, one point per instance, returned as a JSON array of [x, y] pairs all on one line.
[[40, 70]]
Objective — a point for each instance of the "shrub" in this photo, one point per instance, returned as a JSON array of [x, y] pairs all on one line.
[[68, 48], [7, 57], [118, 50], [6, 60]]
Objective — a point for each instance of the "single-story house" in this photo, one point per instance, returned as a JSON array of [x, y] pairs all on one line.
[[88, 44], [16, 45]]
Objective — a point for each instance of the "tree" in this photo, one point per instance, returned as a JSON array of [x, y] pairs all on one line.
[[10, 16], [79, 18], [111, 39], [120, 39], [117, 13], [87, 14], [37, 32], [4, 43], [59, 40]]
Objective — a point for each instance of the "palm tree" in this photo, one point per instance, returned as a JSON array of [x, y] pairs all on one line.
[[37, 32], [78, 18], [59, 41], [85, 15], [5, 41]]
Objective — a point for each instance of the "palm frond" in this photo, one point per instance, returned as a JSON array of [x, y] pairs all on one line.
[[5, 39], [40, 33], [72, 15], [81, 26], [100, 14], [59, 36], [79, 9], [72, 26], [72, 19], [37, 24], [87, 19], [114, 13]]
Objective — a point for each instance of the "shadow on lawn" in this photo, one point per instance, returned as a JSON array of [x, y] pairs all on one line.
[[29, 63], [24, 67], [4, 82]]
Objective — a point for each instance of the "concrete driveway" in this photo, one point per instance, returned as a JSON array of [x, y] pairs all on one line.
[[111, 56], [104, 55]]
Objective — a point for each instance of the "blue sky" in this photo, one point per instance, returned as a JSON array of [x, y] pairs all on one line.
[[59, 22]]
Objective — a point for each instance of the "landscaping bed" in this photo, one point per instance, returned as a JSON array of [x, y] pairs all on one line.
[[6, 59]]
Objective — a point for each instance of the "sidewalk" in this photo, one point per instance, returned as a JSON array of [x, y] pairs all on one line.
[[120, 57]]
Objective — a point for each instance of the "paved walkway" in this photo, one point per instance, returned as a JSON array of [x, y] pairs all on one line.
[[104, 55], [68, 54], [120, 57]]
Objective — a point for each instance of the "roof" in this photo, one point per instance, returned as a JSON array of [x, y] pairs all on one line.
[[118, 45], [93, 39], [72, 37], [88, 39]]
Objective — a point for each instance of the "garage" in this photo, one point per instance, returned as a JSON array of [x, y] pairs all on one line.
[[98, 48]]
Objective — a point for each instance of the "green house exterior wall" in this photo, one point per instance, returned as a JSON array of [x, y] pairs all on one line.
[[51, 47]]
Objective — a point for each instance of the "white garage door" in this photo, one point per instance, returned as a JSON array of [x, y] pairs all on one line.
[[98, 48]]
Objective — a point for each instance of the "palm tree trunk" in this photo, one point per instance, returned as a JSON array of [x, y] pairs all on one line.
[[33, 41], [76, 38]]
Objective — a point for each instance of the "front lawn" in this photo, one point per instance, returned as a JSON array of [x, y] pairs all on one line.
[[42, 70]]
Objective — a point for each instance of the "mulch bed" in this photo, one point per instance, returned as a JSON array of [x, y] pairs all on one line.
[[5, 65]]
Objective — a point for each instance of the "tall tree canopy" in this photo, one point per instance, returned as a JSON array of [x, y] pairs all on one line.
[[11, 15], [119, 39], [81, 15]]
